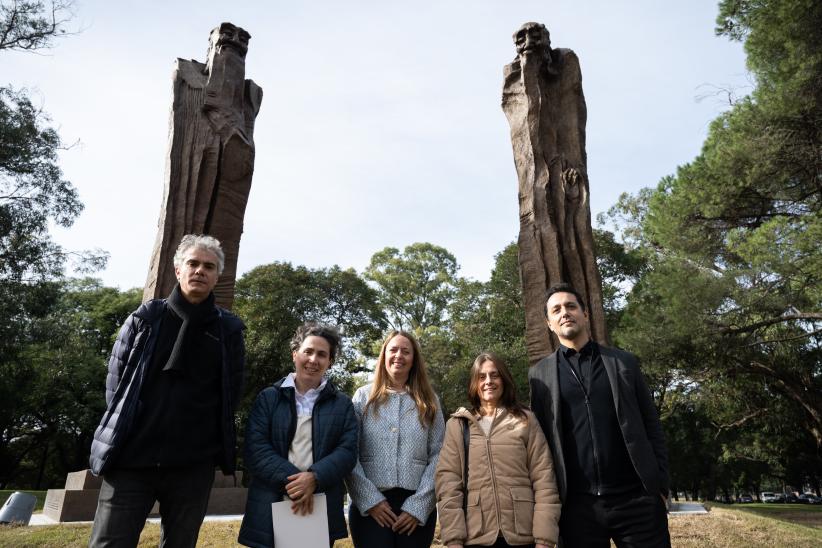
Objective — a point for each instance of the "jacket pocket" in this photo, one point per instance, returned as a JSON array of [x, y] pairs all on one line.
[[522, 499], [473, 519]]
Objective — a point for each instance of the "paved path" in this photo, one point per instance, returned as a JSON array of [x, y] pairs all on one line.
[[677, 509], [41, 519], [685, 508]]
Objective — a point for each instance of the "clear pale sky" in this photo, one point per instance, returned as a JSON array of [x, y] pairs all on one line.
[[381, 122]]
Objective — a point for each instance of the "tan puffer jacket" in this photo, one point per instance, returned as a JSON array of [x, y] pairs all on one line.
[[511, 485]]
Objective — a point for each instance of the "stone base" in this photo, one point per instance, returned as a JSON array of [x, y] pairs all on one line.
[[66, 505], [84, 479], [223, 501], [78, 501], [227, 501]]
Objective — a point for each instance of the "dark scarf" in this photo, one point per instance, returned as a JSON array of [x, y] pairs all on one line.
[[190, 315]]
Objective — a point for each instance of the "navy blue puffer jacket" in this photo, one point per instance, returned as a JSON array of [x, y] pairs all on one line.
[[271, 428], [130, 359]]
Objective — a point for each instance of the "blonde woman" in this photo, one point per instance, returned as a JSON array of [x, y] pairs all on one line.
[[510, 497], [401, 430]]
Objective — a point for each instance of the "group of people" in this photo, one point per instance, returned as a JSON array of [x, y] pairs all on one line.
[[586, 464]]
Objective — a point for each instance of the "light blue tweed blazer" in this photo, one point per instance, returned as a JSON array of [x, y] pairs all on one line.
[[396, 450]]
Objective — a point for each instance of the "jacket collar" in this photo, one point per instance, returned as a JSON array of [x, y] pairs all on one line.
[[608, 361], [329, 389], [463, 413], [610, 364], [553, 386]]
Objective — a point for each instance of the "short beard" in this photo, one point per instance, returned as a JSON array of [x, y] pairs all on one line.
[[570, 332]]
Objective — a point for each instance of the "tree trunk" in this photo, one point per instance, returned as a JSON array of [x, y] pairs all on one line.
[[543, 101], [42, 468], [210, 160]]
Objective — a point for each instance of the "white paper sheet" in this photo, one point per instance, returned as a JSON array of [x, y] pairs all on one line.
[[295, 531]]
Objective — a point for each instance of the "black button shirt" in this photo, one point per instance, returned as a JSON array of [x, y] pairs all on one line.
[[597, 461]]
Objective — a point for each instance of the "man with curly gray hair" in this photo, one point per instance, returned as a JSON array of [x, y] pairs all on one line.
[[174, 381]]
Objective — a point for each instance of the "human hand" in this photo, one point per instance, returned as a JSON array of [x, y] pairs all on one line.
[[300, 489], [383, 514], [300, 484], [405, 524], [303, 506]]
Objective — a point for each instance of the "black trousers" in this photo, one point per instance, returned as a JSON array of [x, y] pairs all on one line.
[[127, 495], [633, 520], [367, 533]]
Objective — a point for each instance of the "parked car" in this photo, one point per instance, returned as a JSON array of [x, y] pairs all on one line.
[[790, 498], [744, 498], [767, 496], [808, 498]]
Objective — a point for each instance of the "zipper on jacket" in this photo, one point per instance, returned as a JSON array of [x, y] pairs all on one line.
[[590, 431], [491, 466]]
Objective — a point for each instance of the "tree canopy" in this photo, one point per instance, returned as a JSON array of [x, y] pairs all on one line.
[[415, 285], [52, 387], [727, 311], [275, 299], [27, 25]]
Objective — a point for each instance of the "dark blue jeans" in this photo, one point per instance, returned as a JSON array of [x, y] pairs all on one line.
[[127, 495], [367, 533]]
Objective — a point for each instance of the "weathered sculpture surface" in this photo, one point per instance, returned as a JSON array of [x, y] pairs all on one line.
[[210, 161], [543, 101]]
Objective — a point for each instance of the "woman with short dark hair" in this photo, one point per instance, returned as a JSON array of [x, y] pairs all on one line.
[[301, 439]]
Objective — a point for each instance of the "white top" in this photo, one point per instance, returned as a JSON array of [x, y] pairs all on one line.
[[305, 402], [300, 454]]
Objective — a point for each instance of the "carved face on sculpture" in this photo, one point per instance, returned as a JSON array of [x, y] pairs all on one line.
[[228, 36], [533, 38]]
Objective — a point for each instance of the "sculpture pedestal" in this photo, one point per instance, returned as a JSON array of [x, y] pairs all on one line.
[[78, 501]]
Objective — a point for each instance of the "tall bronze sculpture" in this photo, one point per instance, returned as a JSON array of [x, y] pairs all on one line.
[[543, 101], [210, 160]]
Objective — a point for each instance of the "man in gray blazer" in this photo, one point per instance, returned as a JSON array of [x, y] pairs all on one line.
[[604, 432]]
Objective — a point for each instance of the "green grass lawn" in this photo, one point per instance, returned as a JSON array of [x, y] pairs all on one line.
[[41, 497], [801, 514], [725, 526]]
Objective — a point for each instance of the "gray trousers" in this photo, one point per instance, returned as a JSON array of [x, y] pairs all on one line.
[[127, 495]]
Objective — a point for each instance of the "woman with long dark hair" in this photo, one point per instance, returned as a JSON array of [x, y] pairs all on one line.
[[509, 497]]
